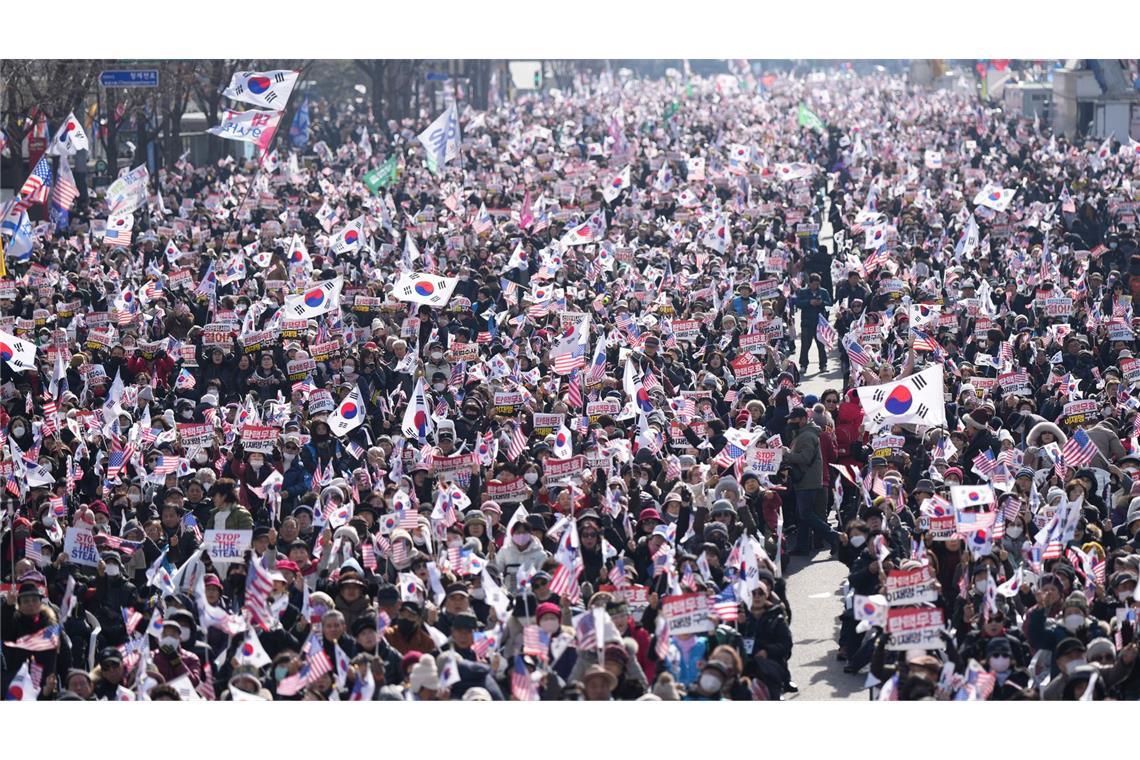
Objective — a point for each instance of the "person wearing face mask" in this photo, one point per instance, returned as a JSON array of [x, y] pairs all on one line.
[[171, 659], [1011, 678], [296, 479], [520, 550], [435, 363], [23, 612], [251, 474], [407, 633]]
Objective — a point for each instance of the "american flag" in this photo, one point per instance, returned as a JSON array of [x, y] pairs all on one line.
[[597, 364], [190, 524], [165, 465], [536, 642], [258, 586], [317, 665], [36, 187], [826, 333], [565, 580], [65, 192], [564, 364], [617, 574], [985, 463], [131, 618], [368, 552], [575, 390], [855, 351], [43, 640], [517, 443], [1079, 449], [923, 341], [522, 687], [877, 259], [726, 607], [106, 540], [118, 459], [33, 552]]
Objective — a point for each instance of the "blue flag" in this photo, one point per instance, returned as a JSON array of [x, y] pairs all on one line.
[[299, 131]]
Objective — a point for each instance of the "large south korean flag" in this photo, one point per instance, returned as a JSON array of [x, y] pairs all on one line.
[[914, 400]]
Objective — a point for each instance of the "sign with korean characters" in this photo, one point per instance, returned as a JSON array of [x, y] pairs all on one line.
[[915, 628], [687, 613]]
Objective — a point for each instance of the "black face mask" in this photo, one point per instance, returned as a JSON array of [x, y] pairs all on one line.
[[406, 627]]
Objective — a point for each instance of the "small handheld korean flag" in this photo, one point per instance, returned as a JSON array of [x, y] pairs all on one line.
[[20, 354], [617, 183], [915, 399], [348, 415], [994, 197], [417, 421], [424, 288], [349, 239], [317, 300], [69, 139], [963, 497], [563, 445]]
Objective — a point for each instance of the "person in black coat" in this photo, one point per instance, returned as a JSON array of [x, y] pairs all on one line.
[[767, 639]]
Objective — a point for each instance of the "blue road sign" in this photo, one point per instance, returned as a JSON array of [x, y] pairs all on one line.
[[129, 78]]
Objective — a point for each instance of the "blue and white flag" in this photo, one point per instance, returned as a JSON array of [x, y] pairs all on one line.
[[441, 139]]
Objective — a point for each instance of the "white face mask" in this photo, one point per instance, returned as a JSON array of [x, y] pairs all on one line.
[[981, 586], [200, 458], [858, 540], [289, 458], [1073, 622], [349, 369], [256, 463], [531, 477], [1124, 596], [438, 387], [18, 430], [1014, 531], [999, 664], [436, 356], [133, 498], [643, 482], [478, 593], [522, 540], [185, 636], [112, 571], [169, 641], [550, 625], [709, 683]]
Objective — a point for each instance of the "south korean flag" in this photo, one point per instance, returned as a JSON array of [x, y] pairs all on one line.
[[916, 399]]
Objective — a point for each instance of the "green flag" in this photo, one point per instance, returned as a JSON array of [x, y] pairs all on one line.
[[381, 176], [671, 110], [809, 119]]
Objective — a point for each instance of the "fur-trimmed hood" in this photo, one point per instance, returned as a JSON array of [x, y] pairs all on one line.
[[1034, 437]]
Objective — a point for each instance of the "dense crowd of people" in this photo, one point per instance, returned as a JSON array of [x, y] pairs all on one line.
[[257, 456]]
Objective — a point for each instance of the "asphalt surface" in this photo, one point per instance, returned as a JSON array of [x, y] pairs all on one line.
[[813, 583]]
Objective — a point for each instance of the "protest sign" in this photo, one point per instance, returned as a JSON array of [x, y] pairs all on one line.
[[909, 587], [226, 546], [79, 546], [915, 628], [686, 613]]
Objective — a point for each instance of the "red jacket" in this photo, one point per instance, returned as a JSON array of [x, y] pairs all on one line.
[[849, 419]]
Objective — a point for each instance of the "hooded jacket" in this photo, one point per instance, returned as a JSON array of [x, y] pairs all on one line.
[[806, 457]]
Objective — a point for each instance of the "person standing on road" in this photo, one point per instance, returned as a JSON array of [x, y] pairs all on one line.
[[806, 478], [812, 301]]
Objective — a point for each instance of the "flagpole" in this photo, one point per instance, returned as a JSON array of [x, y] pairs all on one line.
[[269, 148]]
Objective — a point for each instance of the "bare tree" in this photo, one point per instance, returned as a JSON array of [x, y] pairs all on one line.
[[54, 88]]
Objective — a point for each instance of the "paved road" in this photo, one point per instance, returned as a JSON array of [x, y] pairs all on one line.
[[814, 594], [814, 582]]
